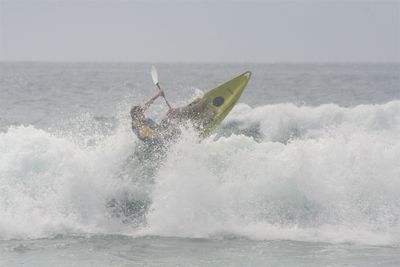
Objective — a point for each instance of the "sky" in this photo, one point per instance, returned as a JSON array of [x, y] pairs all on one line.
[[200, 31]]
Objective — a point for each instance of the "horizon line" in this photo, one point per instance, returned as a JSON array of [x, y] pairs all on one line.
[[200, 62]]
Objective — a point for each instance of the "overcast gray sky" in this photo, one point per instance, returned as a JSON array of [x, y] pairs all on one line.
[[198, 31]]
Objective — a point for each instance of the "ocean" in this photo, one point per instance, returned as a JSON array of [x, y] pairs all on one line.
[[305, 170]]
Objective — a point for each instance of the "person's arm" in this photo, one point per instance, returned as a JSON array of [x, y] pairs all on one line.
[[195, 107], [148, 103]]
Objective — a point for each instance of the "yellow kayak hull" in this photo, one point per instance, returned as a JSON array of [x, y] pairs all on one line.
[[219, 102]]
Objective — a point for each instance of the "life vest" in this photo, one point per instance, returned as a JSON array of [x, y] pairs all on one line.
[[147, 131]]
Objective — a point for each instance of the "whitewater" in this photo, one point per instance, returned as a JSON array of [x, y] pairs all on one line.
[[297, 175]]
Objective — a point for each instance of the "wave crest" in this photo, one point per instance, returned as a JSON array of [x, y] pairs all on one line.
[[324, 173]]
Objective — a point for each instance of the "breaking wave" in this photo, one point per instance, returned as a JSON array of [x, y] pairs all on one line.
[[325, 173]]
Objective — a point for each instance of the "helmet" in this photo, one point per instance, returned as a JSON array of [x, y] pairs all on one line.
[[135, 111]]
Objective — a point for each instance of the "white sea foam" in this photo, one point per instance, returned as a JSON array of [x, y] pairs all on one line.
[[51, 185], [324, 173]]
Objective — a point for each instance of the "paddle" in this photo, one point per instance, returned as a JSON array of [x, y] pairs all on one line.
[[154, 76]]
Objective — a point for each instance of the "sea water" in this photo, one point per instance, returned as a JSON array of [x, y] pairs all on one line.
[[305, 170]]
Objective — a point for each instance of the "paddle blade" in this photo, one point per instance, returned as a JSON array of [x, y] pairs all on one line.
[[154, 75]]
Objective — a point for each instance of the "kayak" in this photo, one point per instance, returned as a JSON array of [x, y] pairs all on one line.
[[219, 102]]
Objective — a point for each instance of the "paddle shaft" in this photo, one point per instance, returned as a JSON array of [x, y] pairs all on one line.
[[166, 101]]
